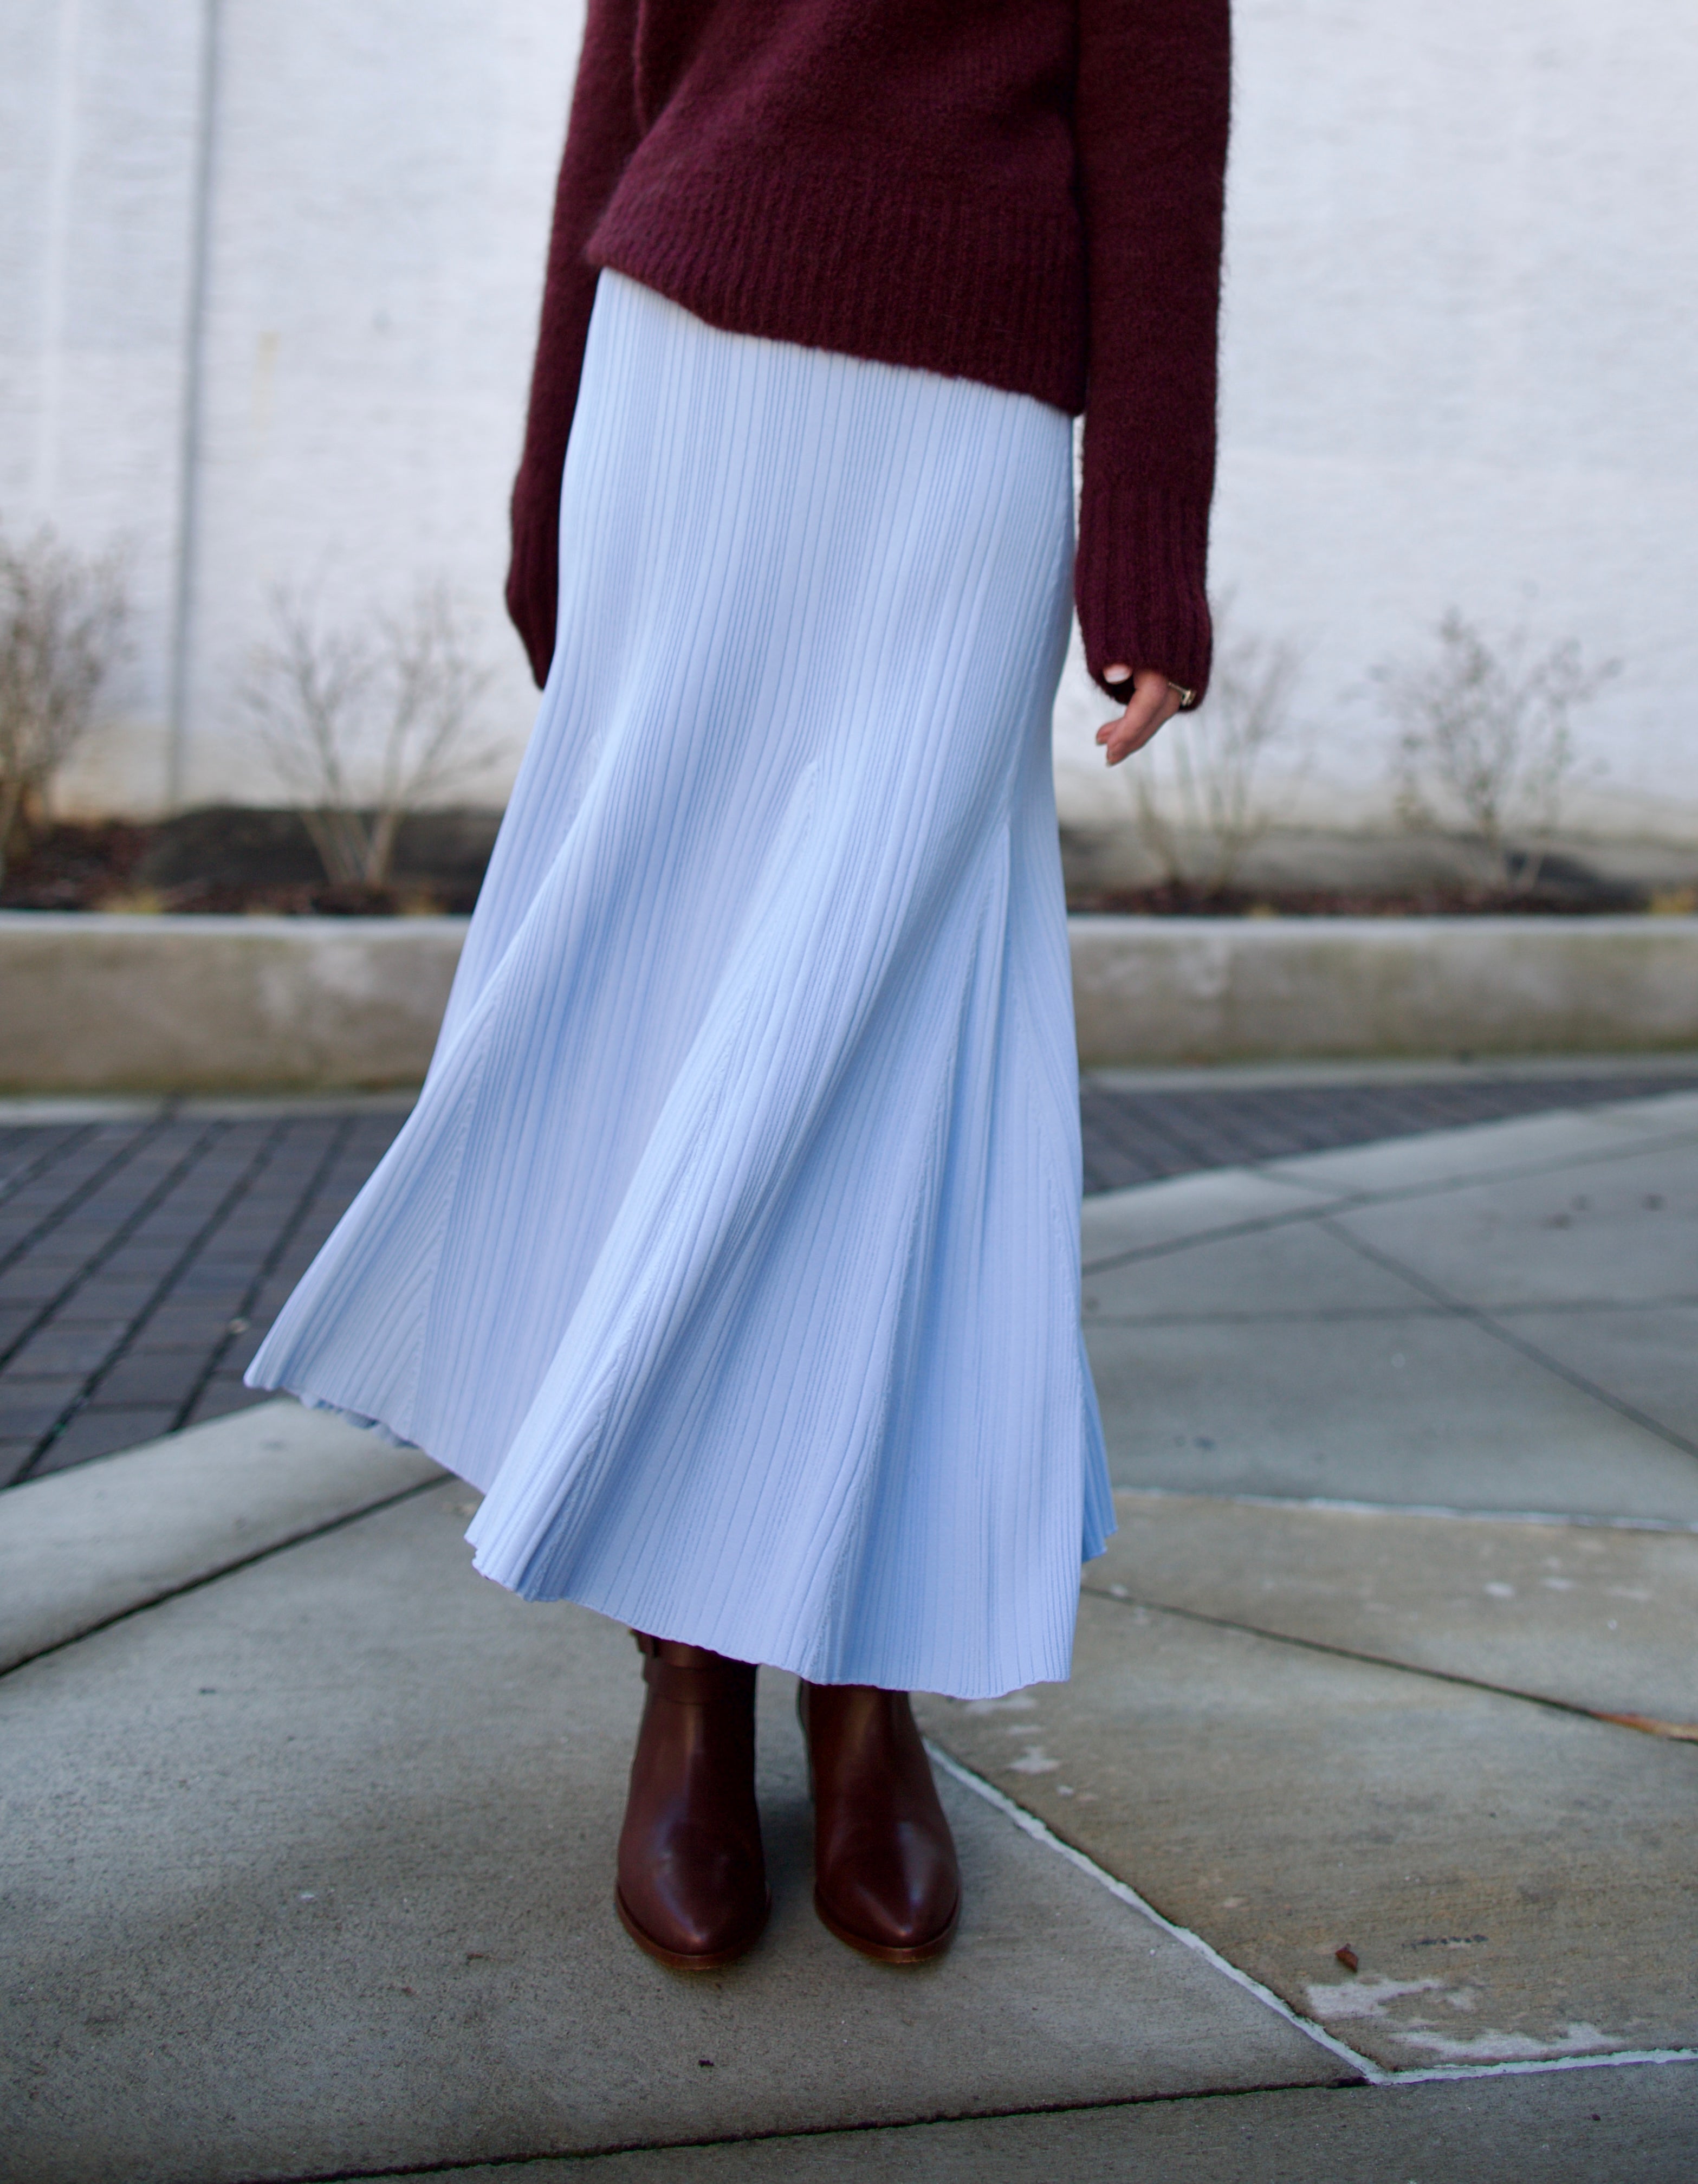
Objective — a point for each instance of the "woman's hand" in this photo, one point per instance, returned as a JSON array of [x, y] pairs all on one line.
[[1154, 702]]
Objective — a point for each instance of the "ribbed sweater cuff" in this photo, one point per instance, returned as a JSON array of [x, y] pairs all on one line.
[[1140, 580]]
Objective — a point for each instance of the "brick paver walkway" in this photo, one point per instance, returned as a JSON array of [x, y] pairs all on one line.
[[141, 1261], [1138, 1137]]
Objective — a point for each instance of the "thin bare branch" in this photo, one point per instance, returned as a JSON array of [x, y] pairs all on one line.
[[64, 619], [363, 726], [1484, 740]]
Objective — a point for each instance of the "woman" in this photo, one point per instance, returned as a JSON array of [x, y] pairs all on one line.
[[731, 1248]]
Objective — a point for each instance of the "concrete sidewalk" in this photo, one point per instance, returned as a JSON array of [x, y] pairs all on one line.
[[309, 1830]]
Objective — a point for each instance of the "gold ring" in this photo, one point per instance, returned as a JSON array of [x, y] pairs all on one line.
[[1186, 698]]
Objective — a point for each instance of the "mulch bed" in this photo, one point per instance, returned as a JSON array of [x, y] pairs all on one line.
[[1539, 901], [225, 859], [235, 859]]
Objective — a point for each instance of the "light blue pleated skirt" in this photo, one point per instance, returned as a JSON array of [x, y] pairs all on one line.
[[732, 1246]]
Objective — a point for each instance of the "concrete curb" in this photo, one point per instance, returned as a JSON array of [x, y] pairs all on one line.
[[94, 1004], [1242, 990]]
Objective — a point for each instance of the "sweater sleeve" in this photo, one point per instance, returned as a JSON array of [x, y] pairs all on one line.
[[1150, 122], [600, 137]]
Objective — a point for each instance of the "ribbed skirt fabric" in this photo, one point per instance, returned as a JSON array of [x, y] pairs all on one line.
[[732, 1246]]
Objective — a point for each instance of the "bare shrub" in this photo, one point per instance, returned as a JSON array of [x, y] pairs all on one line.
[[1485, 742], [366, 725], [63, 618], [1198, 799]]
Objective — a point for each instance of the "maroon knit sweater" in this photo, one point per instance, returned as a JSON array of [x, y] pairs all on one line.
[[1025, 192]]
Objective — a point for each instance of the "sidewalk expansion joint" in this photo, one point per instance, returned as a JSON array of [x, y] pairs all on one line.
[[317, 1531], [462, 2164], [1578, 1519], [1335, 1202], [1480, 1316], [1641, 1724], [1384, 1315], [1367, 2071]]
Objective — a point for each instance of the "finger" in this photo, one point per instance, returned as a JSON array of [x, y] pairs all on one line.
[[1130, 737], [1140, 709], [1154, 702]]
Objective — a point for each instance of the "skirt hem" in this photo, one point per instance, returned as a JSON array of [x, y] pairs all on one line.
[[792, 1661]]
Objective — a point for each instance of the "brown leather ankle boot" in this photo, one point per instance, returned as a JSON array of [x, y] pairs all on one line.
[[692, 1878], [886, 1878]]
